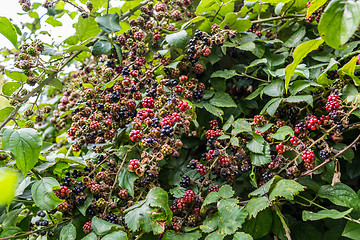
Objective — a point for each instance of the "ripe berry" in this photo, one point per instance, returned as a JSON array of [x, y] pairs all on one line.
[[201, 169], [135, 135], [133, 164], [188, 196], [148, 102], [138, 35], [294, 140], [213, 188], [183, 106], [87, 227]]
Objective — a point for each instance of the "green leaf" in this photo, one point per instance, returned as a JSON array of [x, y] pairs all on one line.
[[86, 28], [119, 235], [9, 179], [118, 52], [18, 76], [53, 22], [109, 22], [177, 192], [222, 99], [299, 54], [275, 89], [285, 188], [315, 5], [10, 87], [5, 112], [271, 106], [300, 98], [259, 226], [102, 227], [8, 30], [259, 159], [231, 216], [349, 69], [255, 146], [300, 85], [87, 203], [142, 215], [282, 132], [256, 205], [227, 74], [340, 194], [323, 78], [264, 189], [101, 47], [90, 236], [172, 235], [68, 232], [24, 144], [126, 180], [212, 197], [178, 39], [210, 224], [242, 236], [240, 125], [235, 22], [333, 214], [351, 230], [214, 110], [43, 195], [339, 22], [226, 191]]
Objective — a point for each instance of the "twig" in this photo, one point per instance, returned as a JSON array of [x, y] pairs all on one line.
[[278, 18], [329, 159]]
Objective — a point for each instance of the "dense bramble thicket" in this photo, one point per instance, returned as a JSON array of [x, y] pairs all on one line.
[[182, 119]]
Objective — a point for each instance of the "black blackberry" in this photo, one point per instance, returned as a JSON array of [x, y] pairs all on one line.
[[44, 223], [185, 182], [76, 174], [43, 233], [245, 167], [197, 94], [112, 218], [334, 114], [191, 165], [202, 178], [332, 74], [90, 212], [146, 181], [167, 131], [282, 112], [123, 113], [115, 97], [133, 89], [266, 176], [155, 122], [125, 71], [67, 180], [51, 234], [100, 106], [41, 214], [167, 71], [151, 93], [198, 34], [324, 154], [80, 200], [293, 114]]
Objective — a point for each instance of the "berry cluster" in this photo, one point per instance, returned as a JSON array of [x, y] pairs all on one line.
[[308, 157]]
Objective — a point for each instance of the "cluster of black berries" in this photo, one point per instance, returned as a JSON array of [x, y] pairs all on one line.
[[185, 182]]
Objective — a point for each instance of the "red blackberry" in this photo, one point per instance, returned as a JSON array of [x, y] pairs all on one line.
[[87, 227]]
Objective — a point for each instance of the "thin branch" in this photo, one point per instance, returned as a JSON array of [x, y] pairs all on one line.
[[329, 159], [278, 18]]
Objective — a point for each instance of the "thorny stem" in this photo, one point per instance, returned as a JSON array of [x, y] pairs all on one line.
[[278, 18], [317, 140], [283, 223], [329, 159]]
